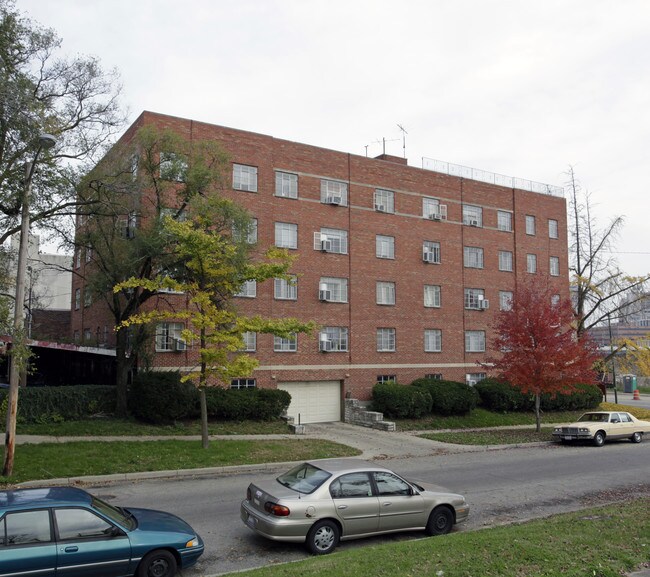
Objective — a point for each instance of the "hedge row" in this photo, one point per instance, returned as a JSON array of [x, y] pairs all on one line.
[[162, 398], [503, 397], [449, 397], [57, 404], [400, 402]]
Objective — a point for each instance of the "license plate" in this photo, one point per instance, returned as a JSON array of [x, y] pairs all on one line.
[[568, 438], [251, 521]]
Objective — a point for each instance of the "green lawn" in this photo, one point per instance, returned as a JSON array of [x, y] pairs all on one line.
[[81, 458], [492, 437], [602, 542]]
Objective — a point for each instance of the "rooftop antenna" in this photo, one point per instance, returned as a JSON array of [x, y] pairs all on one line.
[[404, 133]]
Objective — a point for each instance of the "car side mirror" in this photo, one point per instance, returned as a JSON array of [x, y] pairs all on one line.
[[116, 532]]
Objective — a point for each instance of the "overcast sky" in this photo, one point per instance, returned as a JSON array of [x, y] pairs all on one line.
[[523, 88]]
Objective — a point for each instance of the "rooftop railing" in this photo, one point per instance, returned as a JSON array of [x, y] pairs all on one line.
[[491, 177]]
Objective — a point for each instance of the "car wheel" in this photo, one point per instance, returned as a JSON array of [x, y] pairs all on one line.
[[158, 563], [440, 521], [599, 439], [323, 537], [636, 438]]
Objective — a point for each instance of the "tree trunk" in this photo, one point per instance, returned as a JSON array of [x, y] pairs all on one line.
[[205, 440], [10, 435], [123, 366], [538, 421]]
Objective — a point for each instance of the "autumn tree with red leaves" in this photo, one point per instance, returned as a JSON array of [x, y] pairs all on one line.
[[539, 351]]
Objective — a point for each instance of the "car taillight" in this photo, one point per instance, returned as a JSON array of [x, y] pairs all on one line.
[[248, 494], [277, 510]]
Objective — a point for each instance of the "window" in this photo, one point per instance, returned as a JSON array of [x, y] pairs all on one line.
[[172, 166], [554, 266], [386, 378], [26, 527], [80, 524], [384, 200], [555, 300], [248, 233], [88, 297], [77, 258], [473, 257], [384, 246], [244, 177], [334, 192], [505, 260], [472, 215], [474, 341], [286, 235], [386, 340], [433, 210], [530, 224], [431, 252], [286, 289], [168, 337], [334, 339], [505, 300], [177, 214], [285, 345], [434, 376], [351, 486], [286, 184], [432, 340], [504, 220], [334, 290], [474, 298], [89, 254], [248, 289], [389, 484], [77, 299], [385, 293], [331, 240], [250, 341], [552, 228], [431, 296], [127, 224], [474, 378], [88, 336], [134, 165], [531, 263], [243, 383]]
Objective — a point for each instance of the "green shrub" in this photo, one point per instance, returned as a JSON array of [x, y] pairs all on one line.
[[448, 397], [161, 398], [246, 404], [502, 397], [400, 402], [583, 397], [57, 404]]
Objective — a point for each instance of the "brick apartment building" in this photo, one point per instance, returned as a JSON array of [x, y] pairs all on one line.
[[403, 268]]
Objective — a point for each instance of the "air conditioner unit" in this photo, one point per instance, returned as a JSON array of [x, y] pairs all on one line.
[[380, 207], [435, 216], [324, 295], [180, 345], [473, 222], [484, 304], [428, 256], [324, 343], [333, 200], [326, 245]]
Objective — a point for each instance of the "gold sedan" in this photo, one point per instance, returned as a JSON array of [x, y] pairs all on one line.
[[600, 426]]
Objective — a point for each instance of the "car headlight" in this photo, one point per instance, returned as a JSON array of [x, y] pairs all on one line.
[[583, 430], [557, 429], [193, 543]]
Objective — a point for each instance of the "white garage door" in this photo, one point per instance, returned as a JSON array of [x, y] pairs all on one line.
[[314, 401]]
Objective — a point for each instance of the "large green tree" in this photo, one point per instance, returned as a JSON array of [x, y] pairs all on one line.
[[73, 99], [156, 173], [211, 266]]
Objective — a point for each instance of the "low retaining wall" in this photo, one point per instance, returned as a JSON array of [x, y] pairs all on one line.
[[356, 414]]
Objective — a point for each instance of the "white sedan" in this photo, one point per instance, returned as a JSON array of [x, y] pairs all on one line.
[[603, 425]]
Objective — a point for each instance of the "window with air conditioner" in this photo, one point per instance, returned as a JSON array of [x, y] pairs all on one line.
[[472, 215], [474, 298], [334, 290], [331, 240], [334, 192], [433, 210], [384, 200], [431, 252], [333, 339], [168, 336]]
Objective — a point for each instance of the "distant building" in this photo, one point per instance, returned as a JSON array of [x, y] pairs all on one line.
[[633, 323], [403, 268]]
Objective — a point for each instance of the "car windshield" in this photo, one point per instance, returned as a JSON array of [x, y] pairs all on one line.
[[594, 417], [304, 478], [116, 514]]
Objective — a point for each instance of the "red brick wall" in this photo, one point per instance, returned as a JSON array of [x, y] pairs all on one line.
[[359, 367]]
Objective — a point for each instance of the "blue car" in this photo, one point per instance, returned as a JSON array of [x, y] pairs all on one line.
[[65, 531]]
